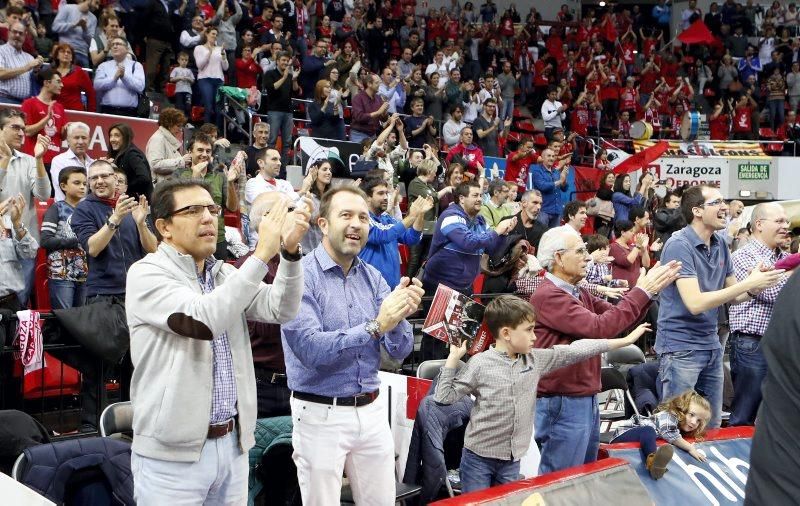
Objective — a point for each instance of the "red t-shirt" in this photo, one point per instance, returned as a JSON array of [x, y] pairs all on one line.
[[718, 127], [610, 90], [675, 123], [743, 119], [649, 46], [627, 52], [35, 110], [647, 82], [651, 116], [507, 26], [517, 171], [580, 120], [627, 99]]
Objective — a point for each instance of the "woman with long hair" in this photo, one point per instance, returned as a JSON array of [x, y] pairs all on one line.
[[622, 198], [130, 159], [629, 251], [603, 224], [316, 183], [325, 112], [212, 63], [73, 79], [453, 176], [434, 98]]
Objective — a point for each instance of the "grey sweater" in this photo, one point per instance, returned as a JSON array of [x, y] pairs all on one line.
[[21, 178], [171, 325]]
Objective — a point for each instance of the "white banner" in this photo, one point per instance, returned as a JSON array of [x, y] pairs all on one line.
[[692, 171]]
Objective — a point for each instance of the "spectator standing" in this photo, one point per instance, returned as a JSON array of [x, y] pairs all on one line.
[[553, 113], [668, 219], [517, 164], [421, 187], [629, 252], [325, 112], [76, 25], [67, 266], [183, 77], [369, 108], [495, 209], [226, 22], [623, 200], [748, 321], [550, 179], [315, 184], [575, 216], [164, 146], [131, 160], [98, 47], [160, 36], [490, 128], [16, 246], [508, 86], [279, 84], [260, 142], [77, 91], [192, 36], [44, 114], [269, 164], [75, 155], [211, 66], [470, 154], [221, 185], [567, 416], [120, 81], [392, 90], [332, 352], [528, 226], [793, 86], [451, 131], [25, 175], [194, 448], [16, 66], [313, 65], [386, 232], [776, 98], [687, 342], [420, 128]]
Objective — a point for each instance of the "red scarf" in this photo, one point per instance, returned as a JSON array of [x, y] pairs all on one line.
[[112, 202]]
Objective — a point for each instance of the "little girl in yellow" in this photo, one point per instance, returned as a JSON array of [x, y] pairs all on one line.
[[683, 416]]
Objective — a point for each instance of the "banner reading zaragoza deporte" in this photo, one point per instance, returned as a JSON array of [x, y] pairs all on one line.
[[714, 149]]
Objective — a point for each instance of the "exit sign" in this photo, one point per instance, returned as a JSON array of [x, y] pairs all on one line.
[[751, 171]]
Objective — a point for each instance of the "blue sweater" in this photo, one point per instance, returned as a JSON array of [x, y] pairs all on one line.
[[623, 204], [545, 181], [381, 249], [456, 249], [109, 269]]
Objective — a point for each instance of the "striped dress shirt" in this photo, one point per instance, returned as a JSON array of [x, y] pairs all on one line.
[[19, 87]]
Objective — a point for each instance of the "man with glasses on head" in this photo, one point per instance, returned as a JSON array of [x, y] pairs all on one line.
[[567, 416], [769, 227], [16, 66], [25, 175], [193, 389], [112, 230], [688, 347]]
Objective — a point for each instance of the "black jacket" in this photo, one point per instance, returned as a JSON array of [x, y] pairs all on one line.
[[666, 222], [137, 170], [426, 463], [159, 21]]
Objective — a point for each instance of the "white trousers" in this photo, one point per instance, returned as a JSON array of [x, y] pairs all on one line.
[[218, 478], [328, 440]]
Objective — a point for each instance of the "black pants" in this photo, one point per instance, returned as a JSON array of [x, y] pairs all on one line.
[[417, 254], [272, 394], [119, 111]]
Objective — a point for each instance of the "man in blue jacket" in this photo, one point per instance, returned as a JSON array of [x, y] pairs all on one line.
[[113, 230], [385, 231], [549, 178]]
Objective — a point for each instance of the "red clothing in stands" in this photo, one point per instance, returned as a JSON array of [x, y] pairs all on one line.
[[517, 170], [247, 72], [580, 120], [718, 127], [743, 119], [627, 99], [649, 46], [562, 319], [621, 268], [74, 83], [35, 110], [472, 155]]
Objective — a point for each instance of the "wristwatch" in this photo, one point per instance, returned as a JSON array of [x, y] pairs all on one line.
[[373, 328], [292, 257], [111, 224]]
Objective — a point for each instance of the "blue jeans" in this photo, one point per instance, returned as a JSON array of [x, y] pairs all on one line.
[[478, 473], [280, 123], [66, 294], [776, 111], [208, 98], [508, 109], [748, 369], [567, 431], [356, 136], [700, 370], [549, 220], [8, 100], [28, 268], [644, 435]]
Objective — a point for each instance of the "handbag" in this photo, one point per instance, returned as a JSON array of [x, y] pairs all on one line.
[[143, 106], [599, 207], [101, 327]]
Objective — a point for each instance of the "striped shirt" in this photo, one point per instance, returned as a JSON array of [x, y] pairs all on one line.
[[501, 423], [223, 400], [752, 317], [18, 87]]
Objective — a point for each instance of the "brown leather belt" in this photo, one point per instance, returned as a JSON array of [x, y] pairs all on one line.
[[356, 400], [220, 430]]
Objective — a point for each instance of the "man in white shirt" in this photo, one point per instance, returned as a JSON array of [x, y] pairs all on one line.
[[266, 181], [451, 131], [553, 112], [78, 141], [441, 65]]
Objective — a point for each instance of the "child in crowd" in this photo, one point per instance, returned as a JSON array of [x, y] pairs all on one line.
[[183, 77], [598, 273], [504, 379], [683, 416], [67, 266]]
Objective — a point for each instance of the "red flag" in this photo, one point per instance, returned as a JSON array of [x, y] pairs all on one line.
[[697, 33], [642, 158]]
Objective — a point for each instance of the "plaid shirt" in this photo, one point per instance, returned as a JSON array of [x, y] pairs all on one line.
[[223, 400], [752, 317], [664, 422], [597, 272], [18, 87]]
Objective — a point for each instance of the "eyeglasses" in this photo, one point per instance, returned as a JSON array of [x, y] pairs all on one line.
[[779, 221], [107, 175], [713, 203], [196, 210], [583, 251]]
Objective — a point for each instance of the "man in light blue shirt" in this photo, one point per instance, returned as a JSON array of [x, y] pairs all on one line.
[[119, 81], [76, 25], [332, 353]]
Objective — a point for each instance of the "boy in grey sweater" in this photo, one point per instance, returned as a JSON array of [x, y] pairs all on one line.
[[503, 380]]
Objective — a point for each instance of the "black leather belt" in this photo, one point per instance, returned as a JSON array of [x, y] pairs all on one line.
[[272, 377], [747, 334], [356, 400], [220, 430]]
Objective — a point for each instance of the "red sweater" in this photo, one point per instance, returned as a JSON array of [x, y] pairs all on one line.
[[561, 319], [621, 267], [75, 82]]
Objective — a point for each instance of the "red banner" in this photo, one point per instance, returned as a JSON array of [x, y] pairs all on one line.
[[99, 124]]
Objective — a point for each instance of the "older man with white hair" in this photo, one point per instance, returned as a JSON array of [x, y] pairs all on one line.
[[78, 134], [567, 416]]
